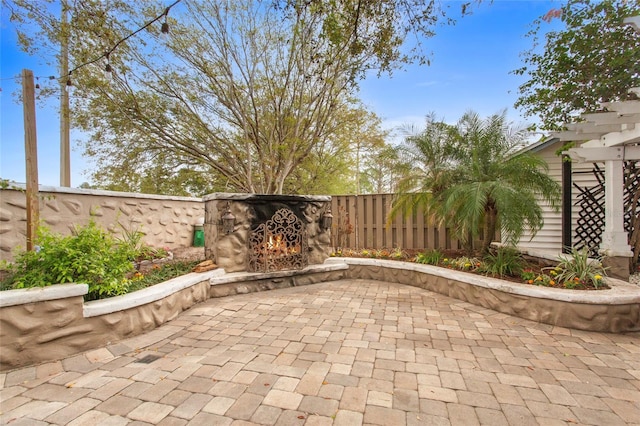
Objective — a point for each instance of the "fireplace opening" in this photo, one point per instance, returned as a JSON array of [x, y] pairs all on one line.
[[279, 243]]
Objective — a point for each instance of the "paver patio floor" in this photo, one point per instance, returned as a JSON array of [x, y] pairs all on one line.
[[339, 353]]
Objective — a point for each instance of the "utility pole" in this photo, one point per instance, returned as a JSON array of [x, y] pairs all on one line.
[[65, 155], [31, 155], [357, 236]]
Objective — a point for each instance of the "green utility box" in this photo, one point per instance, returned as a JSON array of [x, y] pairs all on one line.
[[198, 236]]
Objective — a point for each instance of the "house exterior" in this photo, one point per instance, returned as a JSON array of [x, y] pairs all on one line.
[[582, 219], [610, 136], [548, 241]]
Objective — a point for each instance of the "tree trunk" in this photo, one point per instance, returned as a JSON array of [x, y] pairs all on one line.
[[490, 221]]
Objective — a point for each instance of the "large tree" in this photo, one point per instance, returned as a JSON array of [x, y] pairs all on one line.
[[474, 180], [594, 58], [248, 91], [381, 170]]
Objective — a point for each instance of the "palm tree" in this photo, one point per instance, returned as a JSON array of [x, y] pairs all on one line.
[[481, 183], [425, 159]]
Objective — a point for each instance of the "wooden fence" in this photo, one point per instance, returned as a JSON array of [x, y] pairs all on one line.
[[367, 214]]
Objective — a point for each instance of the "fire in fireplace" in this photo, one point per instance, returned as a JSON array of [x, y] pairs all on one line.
[[267, 232], [277, 244]]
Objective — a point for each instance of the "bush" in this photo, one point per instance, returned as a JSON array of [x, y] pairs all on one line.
[[578, 270], [504, 261], [91, 255], [131, 239], [429, 257], [463, 263], [159, 273], [543, 278]]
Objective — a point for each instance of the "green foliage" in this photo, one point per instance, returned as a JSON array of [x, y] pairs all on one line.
[[504, 261], [246, 95], [380, 170], [377, 34], [91, 256], [542, 279], [578, 269], [160, 273], [470, 179], [130, 239], [528, 275], [8, 184], [593, 58], [428, 155], [397, 254], [429, 257], [463, 263]]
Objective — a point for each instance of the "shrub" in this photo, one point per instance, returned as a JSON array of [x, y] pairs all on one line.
[[160, 273], [463, 263], [131, 239], [505, 261], [547, 279], [380, 254], [90, 255], [397, 254], [429, 257], [578, 269]]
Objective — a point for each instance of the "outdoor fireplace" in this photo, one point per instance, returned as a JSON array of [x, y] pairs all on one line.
[[278, 244], [266, 233]]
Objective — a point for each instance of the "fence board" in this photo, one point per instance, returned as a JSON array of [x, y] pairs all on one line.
[[368, 216], [419, 241], [409, 231], [400, 225]]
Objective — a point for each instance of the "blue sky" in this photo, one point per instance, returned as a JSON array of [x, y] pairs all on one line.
[[470, 69]]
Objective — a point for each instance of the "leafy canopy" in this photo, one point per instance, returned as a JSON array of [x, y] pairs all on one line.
[[593, 59], [255, 95]]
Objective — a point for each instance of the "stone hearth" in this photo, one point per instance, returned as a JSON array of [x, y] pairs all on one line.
[[270, 232]]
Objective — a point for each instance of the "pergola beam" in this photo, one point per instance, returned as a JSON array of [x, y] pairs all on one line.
[[569, 135], [634, 21], [603, 118], [594, 155], [599, 128], [615, 139], [623, 107]]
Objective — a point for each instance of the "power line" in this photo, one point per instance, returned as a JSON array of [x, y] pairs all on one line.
[[164, 29]]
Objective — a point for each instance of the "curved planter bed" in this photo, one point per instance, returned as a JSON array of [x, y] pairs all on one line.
[[612, 310], [50, 323]]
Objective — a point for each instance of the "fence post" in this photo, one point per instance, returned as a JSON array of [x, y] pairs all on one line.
[[31, 155]]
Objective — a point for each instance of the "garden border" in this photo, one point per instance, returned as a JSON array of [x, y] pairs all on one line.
[[49, 323], [613, 310]]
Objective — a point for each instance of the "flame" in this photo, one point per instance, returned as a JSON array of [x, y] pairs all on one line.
[[277, 244]]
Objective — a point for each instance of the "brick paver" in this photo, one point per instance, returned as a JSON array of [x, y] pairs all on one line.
[[341, 353]]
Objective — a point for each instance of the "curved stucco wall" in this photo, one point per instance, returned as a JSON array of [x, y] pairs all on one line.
[[49, 323], [615, 310], [46, 330], [165, 221]]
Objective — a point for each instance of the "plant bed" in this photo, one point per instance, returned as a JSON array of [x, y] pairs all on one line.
[[575, 272], [615, 310], [110, 265], [155, 273]]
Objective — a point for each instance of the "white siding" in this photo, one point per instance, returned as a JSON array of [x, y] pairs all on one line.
[[549, 238]]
